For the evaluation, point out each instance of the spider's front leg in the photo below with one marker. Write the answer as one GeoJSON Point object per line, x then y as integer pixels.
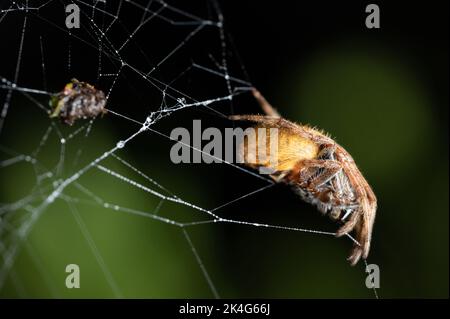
{"type": "Point", "coordinates": [359, 247]}
{"type": "Point", "coordinates": [357, 224]}
{"type": "Point", "coordinates": [327, 151]}
{"type": "Point", "coordinates": [317, 172]}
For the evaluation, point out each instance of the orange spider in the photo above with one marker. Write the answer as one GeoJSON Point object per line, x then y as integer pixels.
{"type": "Point", "coordinates": [321, 171]}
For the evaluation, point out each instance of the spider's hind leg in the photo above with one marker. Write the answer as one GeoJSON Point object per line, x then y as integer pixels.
{"type": "Point", "coordinates": [266, 106]}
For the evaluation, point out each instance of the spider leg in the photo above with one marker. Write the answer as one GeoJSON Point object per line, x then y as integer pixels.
{"type": "Point", "coordinates": [328, 169]}
{"type": "Point", "coordinates": [327, 151]}
{"type": "Point", "coordinates": [349, 224]}
{"type": "Point", "coordinates": [266, 106]}
{"type": "Point", "coordinates": [355, 255]}
{"type": "Point", "coordinates": [270, 121]}
{"type": "Point", "coordinates": [57, 110]}
{"type": "Point", "coordinates": [359, 248]}
{"type": "Point", "coordinates": [267, 120]}
{"type": "Point", "coordinates": [347, 213]}
{"type": "Point", "coordinates": [279, 177]}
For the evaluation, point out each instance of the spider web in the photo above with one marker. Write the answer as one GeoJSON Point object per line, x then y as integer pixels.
{"type": "Point", "coordinates": [153, 60]}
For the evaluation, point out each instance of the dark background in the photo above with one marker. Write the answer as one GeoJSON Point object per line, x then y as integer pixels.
{"type": "Point", "coordinates": [383, 93]}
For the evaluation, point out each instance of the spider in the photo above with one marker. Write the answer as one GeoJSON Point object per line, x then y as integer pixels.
{"type": "Point", "coordinates": [78, 100]}
{"type": "Point", "coordinates": [321, 171]}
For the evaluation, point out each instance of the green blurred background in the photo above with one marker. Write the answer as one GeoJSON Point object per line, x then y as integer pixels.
{"type": "Point", "coordinates": [383, 94]}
